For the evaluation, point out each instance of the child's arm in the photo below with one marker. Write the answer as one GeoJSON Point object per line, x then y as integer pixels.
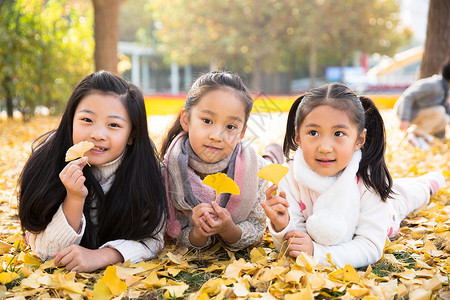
{"type": "Point", "coordinates": [80, 259]}
{"type": "Point", "coordinates": [296, 218]}
{"type": "Point", "coordinates": [57, 235]}
{"type": "Point", "coordinates": [73, 179]}
{"type": "Point", "coordinates": [367, 245]}
{"type": "Point", "coordinates": [276, 208]}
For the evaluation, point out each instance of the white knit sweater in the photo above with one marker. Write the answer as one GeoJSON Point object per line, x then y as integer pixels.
{"type": "Point", "coordinates": [59, 234]}
{"type": "Point", "coordinates": [366, 246]}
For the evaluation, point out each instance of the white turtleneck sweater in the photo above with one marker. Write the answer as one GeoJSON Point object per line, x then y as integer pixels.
{"type": "Point", "coordinates": [59, 234]}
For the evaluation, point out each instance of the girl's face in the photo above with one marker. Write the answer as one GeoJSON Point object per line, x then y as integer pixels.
{"type": "Point", "coordinates": [216, 124]}
{"type": "Point", "coordinates": [104, 121]}
{"type": "Point", "coordinates": [328, 139]}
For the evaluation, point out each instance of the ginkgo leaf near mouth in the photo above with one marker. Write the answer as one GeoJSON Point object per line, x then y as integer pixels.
{"type": "Point", "coordinates": [78, 150]}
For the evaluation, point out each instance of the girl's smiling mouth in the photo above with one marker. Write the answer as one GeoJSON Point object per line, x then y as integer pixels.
{"type": "Point", "coordinates": [325, 162]}
{"type": "Point", "coordinates": [98, 149]}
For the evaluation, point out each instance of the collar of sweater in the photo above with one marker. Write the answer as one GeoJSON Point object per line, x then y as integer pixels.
{"type": "Point", "coordinates": [105, 173]}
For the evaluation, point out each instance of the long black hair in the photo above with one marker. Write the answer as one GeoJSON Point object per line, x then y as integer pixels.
{"type": "Point", "coordinates": [134, 208]}
{"type": "Point", "coordinates": [364, 114]}
{"type": "Point", "coordinates": [215, 80]}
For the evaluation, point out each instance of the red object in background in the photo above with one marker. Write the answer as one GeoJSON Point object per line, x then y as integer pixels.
{"type": "Point", "coordinates": [364, 61]}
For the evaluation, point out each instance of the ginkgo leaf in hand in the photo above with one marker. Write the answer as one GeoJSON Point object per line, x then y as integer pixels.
{"type": "Point", "coordinates": [78, 150]}
{"type": "Point", "coordinates": [273, 172]}
{"type": "Point", "coordinates": [221, 183]}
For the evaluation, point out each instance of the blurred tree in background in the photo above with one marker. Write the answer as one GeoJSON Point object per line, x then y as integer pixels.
{"type": "Point", "coordinates": [106, 32]}
{"type": "Point", "coordinates": [437, 43]}
{"type": "Point", "coordinates": [46, 49]}
{"type": "Point", "coordinates": [268, 35]}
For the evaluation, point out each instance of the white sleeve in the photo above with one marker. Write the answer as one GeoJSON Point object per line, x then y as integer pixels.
{"type": "Point", "coordinates": [137, 251]}
{"type": "Point", "coordinates": [369, 239]}
{"type": "Point", "coordinates": [56, 236]}
{"type": "Point", "coordinates": [296, 218]}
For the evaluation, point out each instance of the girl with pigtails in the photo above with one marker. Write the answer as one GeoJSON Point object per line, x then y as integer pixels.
{"type": "Point", "coordinates": [338, 197]}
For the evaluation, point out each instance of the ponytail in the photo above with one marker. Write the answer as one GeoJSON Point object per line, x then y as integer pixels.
{"type": "Point", "coordinates": [372, 167]}
{"type": "Point", "coordinates": [289, 138]}
{"type": "Point", "coordinates": [174, 130]}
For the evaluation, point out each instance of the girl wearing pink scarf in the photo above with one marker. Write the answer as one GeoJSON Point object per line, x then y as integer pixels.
{"type": "Point", "coordinates": [206, 139]}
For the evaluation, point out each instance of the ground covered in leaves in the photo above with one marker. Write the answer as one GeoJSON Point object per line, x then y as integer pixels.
{"type": "Point", "coordinates": [416, 265]}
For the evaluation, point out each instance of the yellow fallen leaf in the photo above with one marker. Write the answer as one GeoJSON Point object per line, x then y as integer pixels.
{"type": "Point", "coordinates": [420, 294]}
{"type": "Point", "coordinates": [304, 294]}
{"type": "Point", "coordinates": [7, 277]}
{"type": "Point", "coordinates": [176, 290]}
{"type": "Point", "coordinates": [152, 280]}
{"type": "Point", "coordinates": [4, 247]}
{"type": "Point", "coordinates": [31, 260]}
{"type": "Point", "coordinates": [240, 289]}
{"type": "Point", "coordinates": [350, 274]}
{"type": "Point", "coordinates": [306, 261]}
{"type": "Point", "coordinates": [101, 291]}
{"type": "Point", "coordinates": [78, 150]}
{"type": "Point", "coordinates": [115, 284]}
{"type": "Point", "coordinates": [221, 183]}
{"type": "Point", "coordinates": [432, 284]}
{"type": "Point", "coordinates": [273, 172]}
{"type": "Point", "coordinates": [294, 276]}
{"type": "Point", "coordinates": [357, 291]}
{"type": "Point", "coordinates": [258, 256]}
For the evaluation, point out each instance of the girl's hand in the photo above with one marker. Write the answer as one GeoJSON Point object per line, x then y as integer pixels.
{"type": "Point", "coordinates": [73, 179]}
{"type": "Point", "coordinates": [298, 241]}
{"type": "Point", "coordinates": [198, 235]}
{"type": "Point", "coordinates": [198, 216]}
{"type": "Point", "coordinates": [276, 208]}
{"type": "Point", "coordinates": [222, 224]}
{"type": "Point", "coordinates": [80, 259]}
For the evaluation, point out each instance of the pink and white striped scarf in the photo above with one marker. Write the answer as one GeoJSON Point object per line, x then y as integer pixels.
{"type": "Point", "coordinates": [185, 189]}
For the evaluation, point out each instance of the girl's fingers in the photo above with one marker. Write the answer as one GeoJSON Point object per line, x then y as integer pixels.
{"type": "Point", "coordinates": [205, 229]}
{"type": "Point", "coordinates": [277, 202]}
{"type": "Point", "coordinates": [294, 234]}
{"type": "Point", "coordinates": [270, 191]}
{"type": "Point", "coordinates": [294, 253]}
{"type": "Point", "coordinates": [219, 211]}
{"type": "Point", "coordinates": [271, 214]}
{"type": "Point", "coordinates": [210, 221]}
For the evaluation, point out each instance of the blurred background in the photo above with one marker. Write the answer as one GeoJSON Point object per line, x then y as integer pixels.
{"type": "Point", "coordinates": [279, 47]}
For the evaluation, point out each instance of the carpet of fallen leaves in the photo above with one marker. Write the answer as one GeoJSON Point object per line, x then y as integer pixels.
{"type": "Point", "coordinates": [416, 265]}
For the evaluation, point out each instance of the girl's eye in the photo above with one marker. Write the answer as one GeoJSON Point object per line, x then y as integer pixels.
{"type": "Point", "coordinates": [339, 134]}
{"type": "Point", "coordinates": [313, 133]}
{"type": "Point", "coordinates": [207, 121]}
{"type": "Point", "coordinates": [231, 127]}
{"type": "Point", "coordinates": [115, 125]}
{"type": "Point", "coordinates": [86, 120]}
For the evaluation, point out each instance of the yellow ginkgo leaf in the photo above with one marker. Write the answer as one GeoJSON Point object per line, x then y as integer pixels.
{"type": "Point", "coordinates": [221, 183]}
{"type": "Point", "coordinates": [115, 284]}
{"type": "Point", "coordinates": [273, 172]}
{"type": "Point", "coordinates": [7, 277]}
{"type": "Point", "coordinates": [350, 274]}
{"type": "Point", "coordinates": [78, 150]}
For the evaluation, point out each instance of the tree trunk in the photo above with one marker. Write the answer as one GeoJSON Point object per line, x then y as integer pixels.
{"type": "Point", "coordinates": [437, 43]}
{"type": "Point", "coordinates": [106, 33]}
{"type": "Point", "coordinates": [8, 97]}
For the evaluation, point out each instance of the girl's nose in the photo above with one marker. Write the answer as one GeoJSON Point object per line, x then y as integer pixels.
{"type": "Point", "coordinates": [215, 134]}
{"type": "Point", "coordinates": [325, 146]}
{"type": "Point", "coordinates": [98, 133]}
